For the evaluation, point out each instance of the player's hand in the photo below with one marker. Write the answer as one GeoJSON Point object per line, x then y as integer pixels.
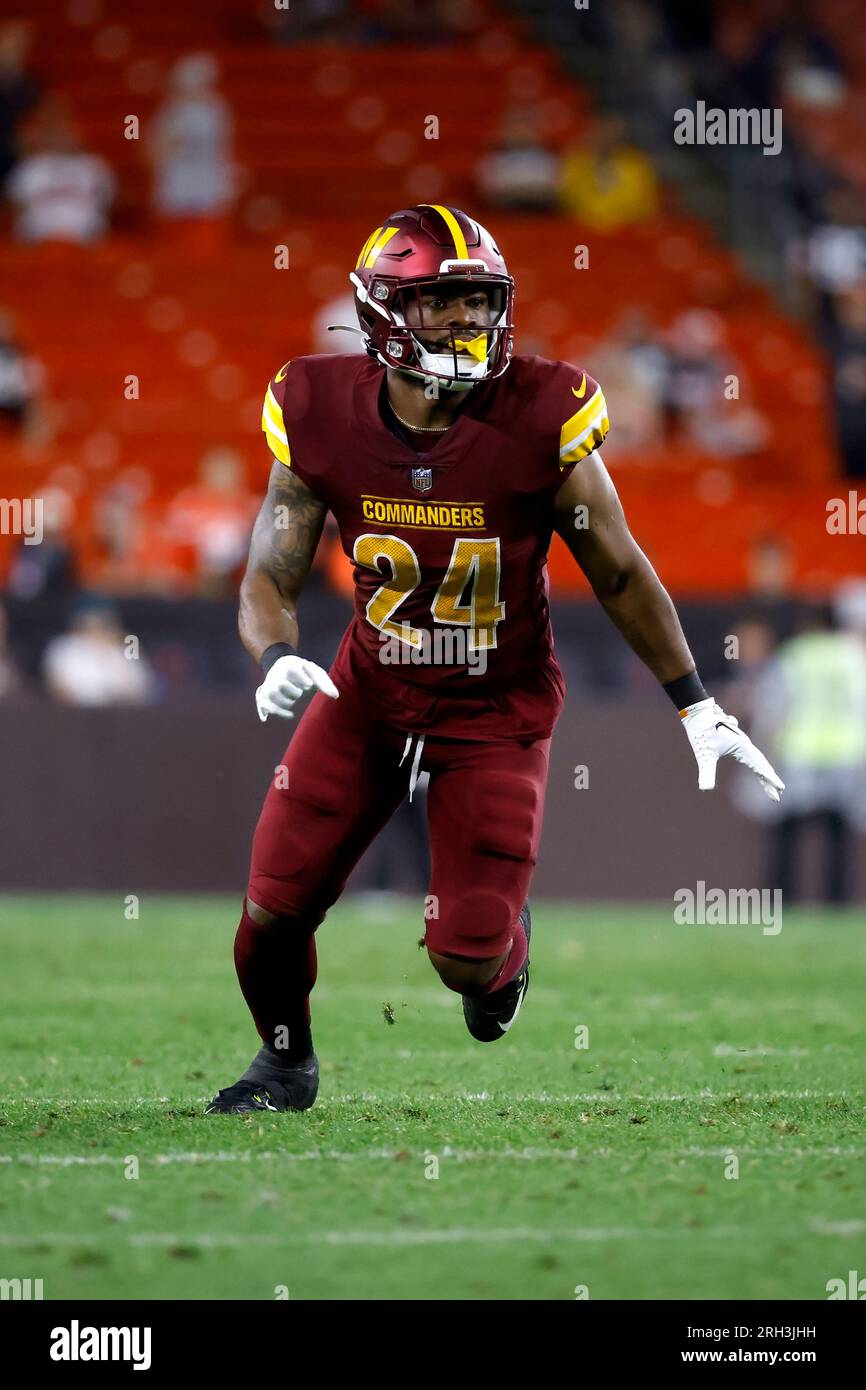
{"type": "Point", "coordinates": [713, 735]}
{"type": "Point", "coordinates": [285, 683]}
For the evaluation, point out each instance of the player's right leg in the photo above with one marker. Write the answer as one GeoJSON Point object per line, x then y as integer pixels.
{"type": "Point", "coordinates": [338, 784]}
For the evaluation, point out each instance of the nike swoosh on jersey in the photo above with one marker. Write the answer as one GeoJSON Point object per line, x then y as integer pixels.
{"type": "Point", "coordinates": [282, 372]}
{"type": "Point", "coordinates": [582, 392]}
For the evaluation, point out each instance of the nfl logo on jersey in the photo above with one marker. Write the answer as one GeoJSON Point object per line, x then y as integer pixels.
{"type": "Point", "coordinates": [422, 479]}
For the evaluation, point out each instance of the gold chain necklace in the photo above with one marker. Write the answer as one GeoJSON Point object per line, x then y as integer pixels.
{"type": "Point", "coordinates": [418, 429]}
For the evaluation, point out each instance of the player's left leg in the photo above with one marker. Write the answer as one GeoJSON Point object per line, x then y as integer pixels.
{"type": "Point", "coordinates": [485, 809]}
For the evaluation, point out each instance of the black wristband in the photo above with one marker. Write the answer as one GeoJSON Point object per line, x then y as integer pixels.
{"type": "Point", "coordinates": [687, 690]}
{"type": "Point", "coordinates": [273, 653]}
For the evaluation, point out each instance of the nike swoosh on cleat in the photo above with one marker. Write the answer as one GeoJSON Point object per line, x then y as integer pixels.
{"type": "Point", "coordinates": [505, 1026]}
{"type": "Point", "coordinates": [582, 392]}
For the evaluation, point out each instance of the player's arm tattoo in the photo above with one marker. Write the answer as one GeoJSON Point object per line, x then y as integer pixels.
{"type": "Point", "coordinates": [282, 548]}
{"type": "Point", "coordinates": [287, 531]}
{"type": "Point", "coordinates": [590, 520]}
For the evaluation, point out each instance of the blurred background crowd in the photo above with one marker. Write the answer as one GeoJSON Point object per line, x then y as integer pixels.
{"type": "Point", "coordinates": [184, 192]}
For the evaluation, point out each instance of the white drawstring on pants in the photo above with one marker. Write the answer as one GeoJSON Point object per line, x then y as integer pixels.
{"type": "Point", "coordinates": [416, 761]}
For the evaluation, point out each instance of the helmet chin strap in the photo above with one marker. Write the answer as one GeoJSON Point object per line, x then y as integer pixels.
{"type": "Point", "coordinates": [438, 369]}
{"type": "Point", "coordinates": [452, 385]}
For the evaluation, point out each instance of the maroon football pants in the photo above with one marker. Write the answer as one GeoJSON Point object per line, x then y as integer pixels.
{"type": "Point", "coordinates": [343, 776]}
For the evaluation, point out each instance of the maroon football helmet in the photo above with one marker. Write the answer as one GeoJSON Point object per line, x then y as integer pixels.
{"type": "Point", "coordinates": [412, 252]}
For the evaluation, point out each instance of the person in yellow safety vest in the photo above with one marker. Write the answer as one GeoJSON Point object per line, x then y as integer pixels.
{"type": "Point", "coordinates": [809, 706]}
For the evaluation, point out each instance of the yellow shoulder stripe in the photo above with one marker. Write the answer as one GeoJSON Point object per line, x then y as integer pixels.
{"type": "Point", "coordinates": [274, 428]}
{"type": "Point", "coordinates": [585, 430]}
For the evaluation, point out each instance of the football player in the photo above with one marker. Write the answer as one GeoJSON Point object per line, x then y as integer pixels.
{"type": "Point", "coordinates": [448, 463]}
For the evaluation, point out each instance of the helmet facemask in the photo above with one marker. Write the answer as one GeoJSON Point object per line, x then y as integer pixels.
{"type": "Point", "coordinates": [392, 315]}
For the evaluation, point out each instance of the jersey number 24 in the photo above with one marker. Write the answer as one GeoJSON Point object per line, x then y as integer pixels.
{"type": "Point", "coordinates": [467, 597]}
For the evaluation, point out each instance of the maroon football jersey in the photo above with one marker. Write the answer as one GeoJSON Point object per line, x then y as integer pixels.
{"type": "Point", "coordinates": [451, 633]}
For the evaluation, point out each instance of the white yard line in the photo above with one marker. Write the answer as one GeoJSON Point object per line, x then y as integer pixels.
{"type": "Point", "coordinates": [499, 1096]}
{"type": "Point", "coordinates": [457, 1235]}
{"type": "Point", "coordinates": [818, 1226]}
{"type": "Point", "coordinates": [729, 1050]}
{"type": "Point", "coordinates": [530, 1154]}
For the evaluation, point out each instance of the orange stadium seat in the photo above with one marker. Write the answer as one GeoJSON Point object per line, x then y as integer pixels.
{"type": "Point", "coordinates": [328, 139]}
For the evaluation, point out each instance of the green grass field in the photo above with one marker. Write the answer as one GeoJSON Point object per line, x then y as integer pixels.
{"type": "Point", "coordinates": [558, 1167]}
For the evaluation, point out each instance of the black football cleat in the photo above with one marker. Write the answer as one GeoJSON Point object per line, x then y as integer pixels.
{"type": "Point", "coordinates": [490, 1016]}
{"type": "Point", "coordinates": [267, 1085]}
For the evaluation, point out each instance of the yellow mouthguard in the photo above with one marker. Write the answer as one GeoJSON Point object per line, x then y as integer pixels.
{"type": "Point", "coordinates": [476, 346]}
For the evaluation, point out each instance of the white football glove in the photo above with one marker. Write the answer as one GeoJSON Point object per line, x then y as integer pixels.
{"type": "Point", "coordinates": [713, 735]}
{"type": "Point", "coordinates": [286, 681]}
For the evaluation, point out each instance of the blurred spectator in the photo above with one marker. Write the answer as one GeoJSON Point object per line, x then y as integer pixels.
{"type": "Point", "coordinates": [93, 663]}
{"type": "Point", "coordinates": [756, 642]}
{"type": "Point", "coordinates": [809, 714]}
{"type": "Point", "coordinates": [60, 192]}
{"type": "Point", "coordinates": [520, 173]}
{"type": "Point", "coordinates": [705, 387]}
{"type": "Point", "coordinates": [831, 261]}
{"type": "Point", "coordinates": [794, 59]}
{"type": "Point", "coordinates": [136, 554]}
{"type": "Point", "coordinates": [849, 612]}
{"type": "Point", "coordinates": [19, 377]}
{"type": "Point", "coordinates": [644, 350]}
{"type": "Point", "coordinates": [215, 518]}
{"type": "Point", "coordinates": [849, 607]}
{"type": "Point", "coordinates": [10, 679]}
{"type": "Point", "coordinates": [40, 570]}
{"type": "Point", "coordinates": [847, 344]}
{"type": "Point", "coordinates": [608, 182]}
{"type": "Point", "coordinates": [770, 567]}
{"type": "Point", "coordinates": [191, 149]}
{"type": "Point", "coordinates": [632, 362]}
{"type": "Point", "coordinates": [19, 92]}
